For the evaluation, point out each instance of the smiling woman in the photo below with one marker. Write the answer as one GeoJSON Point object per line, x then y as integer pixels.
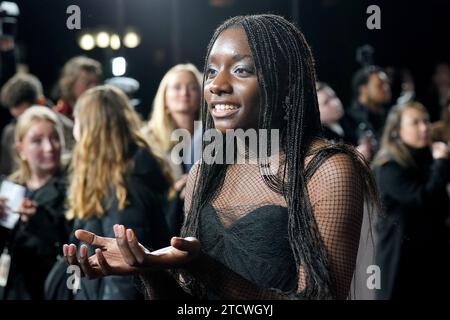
{"type": "Point", "coordinates": [250, 234]}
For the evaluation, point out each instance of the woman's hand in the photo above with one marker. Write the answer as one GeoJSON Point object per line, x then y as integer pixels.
{"type": "Point", "coordinates": [3, 207]}
{"type": "Point", "coordinates": [27, 209]}
{"type": "Point", "coordinates": [180, 185]}
{"type": "Point", "coordinates": [440, 150]}
{"type": "Point", "coordinates": [125, 255]}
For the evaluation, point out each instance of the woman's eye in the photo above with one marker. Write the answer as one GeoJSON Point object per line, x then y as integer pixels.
{"type": "Point", "coordinates": [243, 71]}
{"type": "Point", "coordinates": [210, 72]}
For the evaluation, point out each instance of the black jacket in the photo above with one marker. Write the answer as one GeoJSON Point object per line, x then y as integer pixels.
{"type": "Point", "coordinates": [146, 189]}
{"type": "Point", "coordinates": [411, 248]}
{"type": "Point", "coordinates": [34, 245]}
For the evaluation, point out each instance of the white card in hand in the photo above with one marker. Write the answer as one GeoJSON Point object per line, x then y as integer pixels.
{"type": "Point", "coordinates": [14, 193]}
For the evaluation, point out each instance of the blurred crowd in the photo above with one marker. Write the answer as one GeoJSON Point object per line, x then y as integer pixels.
{"type": "Point", "coordinates": [88, 160]}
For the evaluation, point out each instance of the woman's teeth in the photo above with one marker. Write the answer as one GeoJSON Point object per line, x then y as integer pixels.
{"type": "Point", "coordinates": [223, 107]}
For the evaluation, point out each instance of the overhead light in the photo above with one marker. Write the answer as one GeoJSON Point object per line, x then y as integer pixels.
{"type": "Point", "coordinates": [87, 42]}
{"type": "Point", "coordinates": [102, 39]}
{"type": "Point", "coordinates": [115, 42]}
{"type": "Point", "coordinates": [119, 66]}
{"type": "Point", "coordinates": [221, 3]}
{"type": "Point", "coordinates": [131, 39]}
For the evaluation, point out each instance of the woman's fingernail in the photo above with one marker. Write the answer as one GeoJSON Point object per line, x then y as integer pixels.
{"type": "Point", "coordinates": [121, 231]}
{"type": "Point", "coordinates": [82, 252]}
{"type": "Point", "coordinates": [130, 235]}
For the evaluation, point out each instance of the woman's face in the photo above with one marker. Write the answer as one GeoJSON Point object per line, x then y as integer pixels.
{"type": "Point", "coordinates": [41, 147]}
{"type": "Point", "coordinates": [415, 128]}
{"type": "Point", "coordinates": [330, 106]}
{"type": "Point", "coordinates": [231, 88]}
{"type": "Point", "coordinates": [182, 93]}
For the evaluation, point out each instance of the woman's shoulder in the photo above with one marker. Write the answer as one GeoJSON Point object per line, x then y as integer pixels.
{"type": "Point", "coordinates": [143, 161]}
{"type": "Point", "coordinates": [146, 170]}
{"type": "Point", "coordinates": [325, 154]}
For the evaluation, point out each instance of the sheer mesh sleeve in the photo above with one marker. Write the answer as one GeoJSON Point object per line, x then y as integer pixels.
{"type": "Point", "coordinates": [337, 200]}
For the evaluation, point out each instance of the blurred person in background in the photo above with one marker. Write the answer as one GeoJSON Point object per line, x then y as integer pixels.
{"type": "Point", "coordinates": [337, 126]}
{"type": "Point", "coordinates": [439, 90]}
{"type": "Point", "coordinates": [115, 178]}
{"type": "Point", "coordinates": [42, 228]}
{"type": "Point", "coordinates": [372, 94]}
{"type": "Point", "coordinates": [78, 75]}
{"type": "Point", "coordinates": [441, 128]}
{"type": "Point", "coordinates": [176, 106]}
{"type": "Point", "coordinates": [17, 95]}
{"type": "Point", "coordinates": [411, 174]}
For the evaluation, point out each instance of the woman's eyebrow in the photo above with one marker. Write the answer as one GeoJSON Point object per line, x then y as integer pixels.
{"type": "Point", "coordinates": [236, 57]}
{"type": "Point", "coordinates": [239, 57]}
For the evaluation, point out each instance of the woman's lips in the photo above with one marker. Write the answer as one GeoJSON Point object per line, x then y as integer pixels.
{"type": "Point", "coordinates": [224, 110]}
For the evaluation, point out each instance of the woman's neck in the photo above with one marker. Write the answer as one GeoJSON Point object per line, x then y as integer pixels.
{"type": "Point", "coordinates": [38, 179]}
{"type": "Point", "coordinates": [184, 121]}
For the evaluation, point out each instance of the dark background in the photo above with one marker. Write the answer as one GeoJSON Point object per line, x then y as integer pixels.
{"type": "Point", "coordinates": [413, 35]}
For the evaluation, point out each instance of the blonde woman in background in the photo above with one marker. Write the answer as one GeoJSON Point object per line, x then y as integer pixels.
{"type": "Point", "coordinates": [42, 227]}
{"type": "Point", "coordinates": [115, 178]}
{"type": "Point", "coordinates": [176, 106]}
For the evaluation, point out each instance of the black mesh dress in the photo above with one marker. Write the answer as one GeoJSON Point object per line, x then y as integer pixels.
{"type": "Point", "coordinates": [244, 229]}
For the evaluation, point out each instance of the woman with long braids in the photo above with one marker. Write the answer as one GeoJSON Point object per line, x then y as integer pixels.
{"type": "Point", "coordinates": [250, 234]}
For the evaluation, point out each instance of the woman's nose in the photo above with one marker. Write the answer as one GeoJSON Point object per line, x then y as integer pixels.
{"type": "Point", "coordinates": [48, 145]}
{"type": "Point", "coordinates": [221, 84]}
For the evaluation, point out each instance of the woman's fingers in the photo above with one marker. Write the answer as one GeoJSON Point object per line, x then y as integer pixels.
{"type": "Point", "coordinates": [104, 265]}
{"type": "Point", "coordinates": [84, 263]}
{"type": "Point", "coordinates": [189, 244]}
{"type": "Point", "coordinates": [135, 248]}
{"type": "Point", "coordinates": [122, 243]}
{"type": "Point", "coordinates": [66, 253]}
{"type": "Point", "coordinates": [72, 254]}
{"type": "Point", "coordinates": [91, 238]}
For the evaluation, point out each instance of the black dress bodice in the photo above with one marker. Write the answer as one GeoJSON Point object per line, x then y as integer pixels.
{"type": "Point", "coordinates": [256, 246]}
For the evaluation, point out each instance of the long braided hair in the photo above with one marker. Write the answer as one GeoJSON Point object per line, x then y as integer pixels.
{"type": "Point", "coordinates": [286, 77]}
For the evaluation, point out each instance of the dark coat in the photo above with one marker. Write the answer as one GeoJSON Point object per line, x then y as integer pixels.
{"type": "Point", "coordinates": [411, 248]}
{"type": "Point", "coordinates": [34, 245]}
{"type": "Point", "coordinates": [146, 189]}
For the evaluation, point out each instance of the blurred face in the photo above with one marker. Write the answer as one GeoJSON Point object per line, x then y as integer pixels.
{"type": "Point", "coordinates": [441, 75]}
{"type": "Point", "coordinates": [231, 88]}
{"type": "Point", "coordinates": [85, 81]}
{"type": "Point", "coordinates": [41, 147]}
{"type": "Point", "coordinates": [330, 106]}
{"type": "Point", "coordinates": [378, 88]}
{"type": "Point", "coordinates": [182, 93]}
{"type": "Point", "coordinates": [415, 128]}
